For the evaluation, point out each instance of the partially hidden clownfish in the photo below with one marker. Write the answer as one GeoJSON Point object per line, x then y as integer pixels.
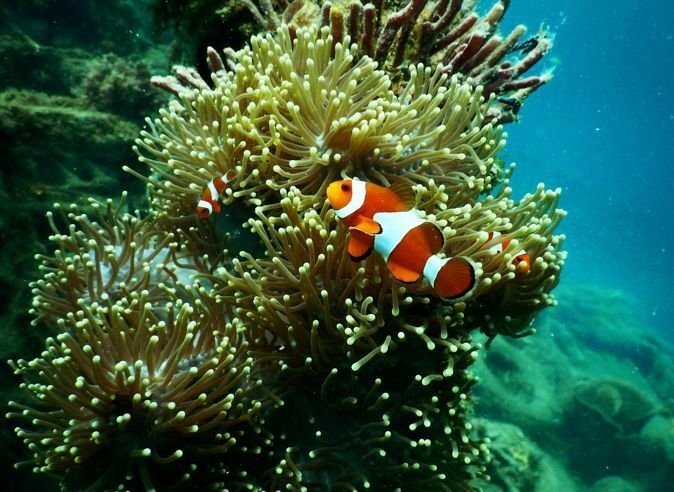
{"type": "Point", "coordinates": [521, 260]}
{"type": "Point", "coordinates": [383, 220]}
{"type": "Point", "coordinates": [210, 197]}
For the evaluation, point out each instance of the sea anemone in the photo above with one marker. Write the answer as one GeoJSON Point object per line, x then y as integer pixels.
{"type": "Point", "coordinates": [122, 398]}
{"type": "Point", "coordinates": [449, 33]}
{"type": "Point", "coordinates": [344, 340]}
{"type": "Point", "coordinates": [292, 366]}
{"type": "Point", "coordinates": [508, 295]}
{"type": "Point", "coordinates": [109, 258]}
{"type": "Point", "coordinates": [298, 112]}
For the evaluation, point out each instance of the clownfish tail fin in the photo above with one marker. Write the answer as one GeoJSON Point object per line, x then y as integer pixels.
{"type": "Point", "coordinates": [452, 278]}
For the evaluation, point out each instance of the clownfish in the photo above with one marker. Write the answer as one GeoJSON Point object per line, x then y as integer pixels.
{"type": "Point", "coordinates": [210, 197]}
{"type": "Point", "coordinates": [522, 261]}
{"type": "Point", "coordinates": [383, 220]}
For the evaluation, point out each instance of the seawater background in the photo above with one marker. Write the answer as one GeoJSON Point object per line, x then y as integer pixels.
{"type": "Point", "coordinates": [603, 131]}
{"type": "Point", "coordinates": [590, 396]}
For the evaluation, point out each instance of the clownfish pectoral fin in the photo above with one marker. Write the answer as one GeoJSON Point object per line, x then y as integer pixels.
{"type": "Point", "coordinates": [366, 226]}
{"type": "Point", "coordinates": [452, 278]}
{"type": "Point", "coordinates": [401, 272]}
{"type": "Point", "coordinates": [360, 244]}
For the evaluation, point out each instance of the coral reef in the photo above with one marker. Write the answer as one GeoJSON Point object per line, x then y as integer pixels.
{"type": "Point", "coordinates": [292, 366]}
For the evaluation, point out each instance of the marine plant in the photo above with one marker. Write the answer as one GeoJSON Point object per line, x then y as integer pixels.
{"type": "Point", "coordinates": [289, 365]}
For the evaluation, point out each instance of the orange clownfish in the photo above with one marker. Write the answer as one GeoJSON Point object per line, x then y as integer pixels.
{"type": "Point", "coordinates": [522, 261]}
{"type": "Point", "coordinates": [383, 220]}
{"type": "Point", "coordinates": [209, 202]}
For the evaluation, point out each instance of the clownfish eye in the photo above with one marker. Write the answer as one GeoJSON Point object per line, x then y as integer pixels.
{"type": "Point", "coordinates": [346, 187]}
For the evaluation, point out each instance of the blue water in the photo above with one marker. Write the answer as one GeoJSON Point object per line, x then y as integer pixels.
{"type": "Point", "coordinates": [603, 131]}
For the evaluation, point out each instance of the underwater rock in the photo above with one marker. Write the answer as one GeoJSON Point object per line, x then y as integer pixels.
{"type": "Point", "coordinates": [44, 68]}
{"type": "Point", "coordinates": [119, 25]}
{"type": "Point", "coordinates": [517, 463]}
{"type": "Point", "coordinates": [119, 85]}
{"type": "Point", "coordinates": [618, 403]}
{"type": "Point", "coordinates": [60, 165]}
{"type": "Point", "coordinates": [658, 435]}
{"type": "Point", "coordinates": [614, 484]}
{"type": "Point", "coordinates": [593, 388]}
{"type": "Point", "coordinates": [518, 387]}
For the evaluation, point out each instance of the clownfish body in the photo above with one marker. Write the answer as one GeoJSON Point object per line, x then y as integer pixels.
{"type": "Point", "coordinates": [210, 197]}
{"type": "Point", "coordinates": [521, 260]}
{"type": "Point", "coordinates": [382, 220]}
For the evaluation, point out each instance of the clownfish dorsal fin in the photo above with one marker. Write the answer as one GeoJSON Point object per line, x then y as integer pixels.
{"type": "Point", "coordinates": [405, 194]}
{"type": "Point", "coordinates": [360, 245]}
{"type": "Point", "coordinates": [366, 226]}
